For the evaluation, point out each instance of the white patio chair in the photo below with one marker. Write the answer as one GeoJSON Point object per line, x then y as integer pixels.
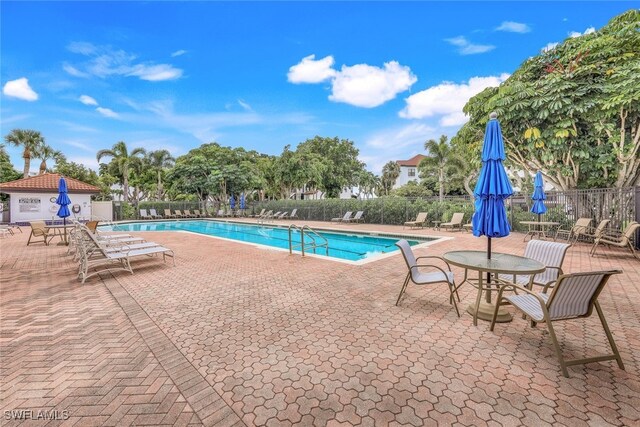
{"type": "Point", "coordinates": [574, 296]}
{"type": "Point", "coordinates": [551, 254]}
{"type": "Point", "coordinates": [437, 275]}
{"type": "Point", "coordinates": [419, 221]}
{"type": "Point", "coordinates": [345, 218]}
{"type": "Point", "coordinates": [455, 223]}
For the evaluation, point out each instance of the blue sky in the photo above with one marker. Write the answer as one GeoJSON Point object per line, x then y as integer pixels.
{"type": "Point", "coordinates": [262, 75]}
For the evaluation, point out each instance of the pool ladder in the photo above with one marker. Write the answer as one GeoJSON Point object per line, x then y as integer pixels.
{"type": "Point", "coordinates": [316, 240]}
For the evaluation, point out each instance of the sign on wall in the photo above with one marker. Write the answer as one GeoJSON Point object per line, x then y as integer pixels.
{"type": "Point", "coordinates": [29, 204]}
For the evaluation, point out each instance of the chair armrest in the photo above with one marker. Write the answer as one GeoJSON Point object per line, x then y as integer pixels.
{"type": "Point", "coordinates": [433, 266]}
{"type": "Point", "coordinates": [517, 288]}
{"type": "Point", "coordinates": [436, 257]}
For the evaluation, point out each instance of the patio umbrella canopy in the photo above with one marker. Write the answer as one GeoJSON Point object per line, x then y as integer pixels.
{"type": "Point", "coordinates": [493, 187]}
{"type": "Point", "coordinates": [64, 202]}
{"type": "Point", "coordinates": [538, 196]}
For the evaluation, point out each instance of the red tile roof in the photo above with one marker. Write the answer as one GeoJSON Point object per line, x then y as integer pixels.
{"type": "Point", "coordinates": [414, 161]}
{"type": "Point", "coordinates": [47, 183]}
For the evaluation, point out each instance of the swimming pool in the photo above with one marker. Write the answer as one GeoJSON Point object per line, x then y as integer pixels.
{"type": "Point", "coordinates": [344, 246]}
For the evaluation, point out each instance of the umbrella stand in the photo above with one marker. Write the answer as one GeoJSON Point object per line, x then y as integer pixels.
{"type": "Point", "coordinates": [488, 293]}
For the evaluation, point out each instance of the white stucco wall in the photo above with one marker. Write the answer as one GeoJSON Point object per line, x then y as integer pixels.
{"type": "Point", "coordinates": [34, 206]}
{"type": "Point", "coordinates": [404, 177]}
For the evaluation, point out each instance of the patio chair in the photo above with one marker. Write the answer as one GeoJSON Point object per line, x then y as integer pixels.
{"type": "Point", "coordinates": [154, 214]}
{"type": "Point", "coordinates": [345, 218]}
{"type": "Point", "coordinates": [168, 214]}
{"type": "Point", "coordinates": [283, 215]}
{"type": "Point", "coordinates": [437, 275]}
{"type": "Point", "coordinates": [179, 214]}
{"type": "Point", "coordinates": [551, 254]}
{"type": "Point", "coordinates": [623, 240]}
{"type": "Point", "coordinates": [356, 218]}
{"type": "Point", "coordinates": [574, 296]}
{"type": "Point", "coordinates": [188, 214]}
{"type": "Point", "coordinates": [197, 214]}
{"type": "Point", "coordinates": [294, 214]}
{"type": "Point", "coordinates": [419, 222]}
{"type": "Point", "coordinates": [594, 233]}
{"type": "Point", "coordinates": [144, 214]}
{"type": "Point", "coordinates": [455, 223]}
{"type": "Point", "coordinates": [579, 229]}
{"type": "Point", "coordinates": [263, 217]}
{"type": "Point", "coordinates": [39, 229]}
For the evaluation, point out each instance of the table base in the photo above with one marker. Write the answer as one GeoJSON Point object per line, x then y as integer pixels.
{"type": "Point", "coordinates": [485, 312]}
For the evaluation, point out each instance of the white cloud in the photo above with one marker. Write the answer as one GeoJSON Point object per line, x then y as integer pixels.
{"type": "Point", "coordinates": [20, 89]}
{"type": "Point", "coordinates": [311, 71]}
{"type": "Point", "coordinates": [447, 99]}
{"type": "Point", "coordinates": [574, 34]}
{"type": "Point", "coordinates": [87, 100]}
{"type": "Point", "coordinates": [550, 46]}
{"type": "Point", "coordinates": [74, 71]}
{"type": "Point", "coordinates": [245, 105]}
{"type": "Point", "coordinates": [107, 112]}
{"type": "Point", "coordinates": [514, 27]}
{"type": "Point", "coordinates": [84, 146]}
{"type": "Point", "coordinates": [397, 143]}
{"type": "Point", "coordinates": [105, 61]}
{"type": "Point", "coordinates": [361, 85]}
{"type": "Point", "coordinates": [367, 86]}
{"type": "Point", "coordinates": [465, 47]}
{"type": "Point", "coordinates": [178, 53]}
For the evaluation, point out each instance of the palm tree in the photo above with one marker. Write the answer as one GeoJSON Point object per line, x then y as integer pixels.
{"type": "Point", "coordinates": [30, 140]}
{"type": "Point", "coordinates": [122, 158]}
{"type": "Point", "coordinates": [159, 161]}
{"type": "Point", "coordinates": [390, 173]}
{"type": "Point", "coordinates": [441, 161]}
{"type": "Point", "coordinates": [46, 152]}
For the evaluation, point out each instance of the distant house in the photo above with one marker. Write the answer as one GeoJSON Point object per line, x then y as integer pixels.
{"type": "Point", "coordinates": [408, 170]}
{"type": "Point", "coordinates": [34, 198]}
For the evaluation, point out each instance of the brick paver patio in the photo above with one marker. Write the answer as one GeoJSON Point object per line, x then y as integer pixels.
{"type": "Point", "coordinates": [238, 335]}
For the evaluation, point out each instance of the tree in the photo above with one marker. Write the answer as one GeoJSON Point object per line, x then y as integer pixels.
{"type": "Point", "coordinates": [441, 162]}
{"type": "Point", "coordinates": [160, 160]}
{"type": "Point", "coordinates": [45, 152]}
{"type": "Point", "coordinates": [121, 159]}
{"type": "Point", "coordinates": [7, 171]}
{"type": "Point", "coordinates": [390, 173]}
{"type": "Point", "coordinates": [572, 112]}
{"type": "Point", "coordinates": [412, 189]}
{"type": "Point", "coordinates": [339, 163]}
{"type": "Point", "coordinates": [29, 140]}
{"type": "Point", "coordinates": [368, 182]}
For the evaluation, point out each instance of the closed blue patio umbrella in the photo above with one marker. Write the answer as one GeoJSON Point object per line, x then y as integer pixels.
{"type": "Point", "coordinates": [493, 187]}
{"type": "Point", "coordinates": [64, 202]}
{"type": "Point", "coordinates": [232, 202]}
{"type": "Point", "coordinates": [538, 196]}
{"type": "Point", "coordinates": [242, 202]}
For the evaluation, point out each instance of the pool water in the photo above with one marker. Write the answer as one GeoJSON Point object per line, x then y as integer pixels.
{"type": "Point", "coordinates": [346, 246]}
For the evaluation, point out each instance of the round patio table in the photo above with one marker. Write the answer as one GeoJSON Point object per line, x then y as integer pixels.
{"type": "Point", "coordinates": [498, 264]}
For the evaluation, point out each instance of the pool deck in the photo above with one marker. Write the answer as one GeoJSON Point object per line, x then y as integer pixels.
{"type": "Point", "coordinates": [239, 335]}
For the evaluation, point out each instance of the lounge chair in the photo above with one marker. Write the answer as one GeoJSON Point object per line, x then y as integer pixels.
{"type": "Point", "coordinates": [551, 254]}
{"type": "Point", "coordinates": [144, 214]}
{"type": "Point", "coordinates": [455, 223]}
{"type": "Point", "coordinates": [623, 240]}
{"type": "Point", "coordinates": [294, 214]}
{"type": "Point", "coordinates": [345, 218]}
{"type": "Point", "coordinates": [258, 215]}
{"type": "Point", "coordinates": [419, 222]}
{"type": "Point", "coordinates": [40, 229]}
{"type": "Point", "coordinates": [197, 214]}
{"type": "Point", "coordinates": [599, 231]}
{"type": "Point", "coordinates": [574, 296]}
{"type": "Point", "coordinates": [358, 217]}
{"type": "Point", "coordinates": [283, 215]}
{"type": "Point", "coordinates": [179, 214]}
{"type": "Point", "coordinates": [94, 256]}
{"type": "Point", "coordinates": [188, 214]}
{"type": "Point", "coordinates": [154, 214]}
{"type": "Point", "coordinates": [168, 214]}
{"type": "Point", "coordinates": [436, 275]}
{"type": "Point", "coordinates": [10, 228]}
{"type": "Point", "coordinates": [579, 229]}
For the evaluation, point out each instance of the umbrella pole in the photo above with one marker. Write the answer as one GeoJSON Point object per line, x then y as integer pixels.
{"type": "Point", "coordinates": [489, 274]}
